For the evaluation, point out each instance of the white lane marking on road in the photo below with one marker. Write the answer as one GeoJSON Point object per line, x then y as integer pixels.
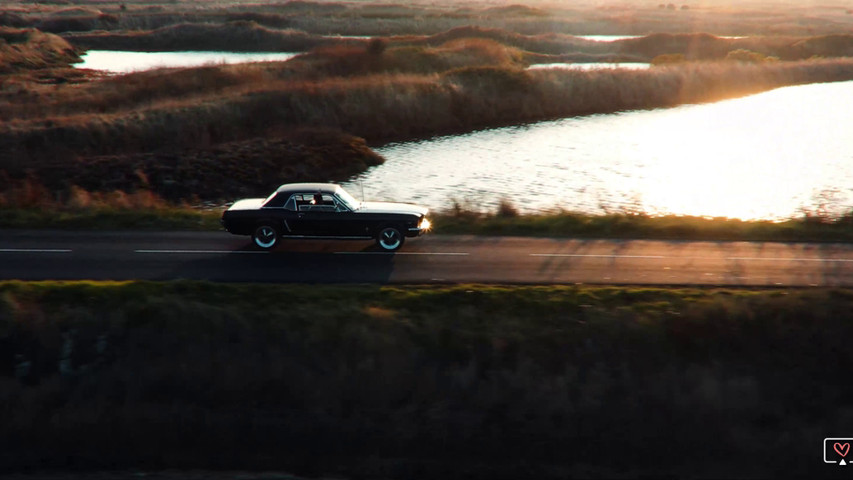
{"type": "Point", "coordinates": [749, 259]}
{"type": "Point", "coordinates": [454, 254]}
{"type": "Point", "coordinates": [199, 251]}
{"type": "Point", "coordinates": [589, 255]}
{"type": "Point", "coordinates": [35, 250]}
{"type": "Point", "coordinates": [782, 259]}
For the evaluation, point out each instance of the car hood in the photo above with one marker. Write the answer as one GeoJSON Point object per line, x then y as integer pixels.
{"type": "Point", "coordinates": [248, 204]}
{"type": "Point", "coordinates": [387, 207]}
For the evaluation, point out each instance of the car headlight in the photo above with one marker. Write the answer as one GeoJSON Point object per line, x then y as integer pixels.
{"type": "Point", "coordinates": [425, 224]}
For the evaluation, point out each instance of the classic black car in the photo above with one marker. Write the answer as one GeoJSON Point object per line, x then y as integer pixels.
{"type": "Point", "coordinates": [321, 210]}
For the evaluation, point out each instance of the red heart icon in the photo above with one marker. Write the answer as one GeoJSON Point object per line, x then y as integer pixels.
{"type": "Point", "coordinates": [841, 448]}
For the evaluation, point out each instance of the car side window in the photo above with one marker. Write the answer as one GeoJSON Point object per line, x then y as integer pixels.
{"type": "Point", "coordinates": [328, 203]}
{"type": "Point", "coordinates": [276, 201]}
{"type": "Point", "coordinates": [316, 202]}
{"type": "Point", "coordinates": [291, 204]}
{"type": "Point", "coordinates": [339, 205]}
{"type": "Point", "coordinates": [303, 201]}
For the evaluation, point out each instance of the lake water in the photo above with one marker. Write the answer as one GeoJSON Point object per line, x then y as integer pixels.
{"type": "Point", "coordinates": [613, 38]}
{"type": "Point", "coordinates": [767, 156]}
{"type": "Point", "coordinates": [607, 38]}
{"type": "Point", "coordinates": [125, 62]}
{"type": "Point", "coordinates": [117, 62]}
{"type": "Point", "coordinates": [592, 66]}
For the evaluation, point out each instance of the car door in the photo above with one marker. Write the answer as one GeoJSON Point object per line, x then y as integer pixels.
{"type": "Point", "coordinates": [288, 211]}
{"type": "Point", "coordinates": [327, 216]}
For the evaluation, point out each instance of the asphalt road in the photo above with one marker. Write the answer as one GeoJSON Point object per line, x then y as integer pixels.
{"type": "Point", "coordinates": [219, 256]}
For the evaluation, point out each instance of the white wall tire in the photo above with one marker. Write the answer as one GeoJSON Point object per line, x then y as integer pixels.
{"type": "Point", "coordinates": [265, 237]}
{"type": "Point", "coordinates": [390, 239]}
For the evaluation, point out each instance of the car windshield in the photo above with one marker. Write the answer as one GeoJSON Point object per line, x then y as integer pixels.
{"type": "Point", "coordinates": [272, 195]}
{"type": "Point", "coordinates": [348, 199]}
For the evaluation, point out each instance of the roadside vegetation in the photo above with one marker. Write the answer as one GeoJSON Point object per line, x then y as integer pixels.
{"type": "Point", "coordinates": [809, 227]}
{"type": "Point", "coordinates": [422, 382]}
{"type": "Point", "coordinates": [30, 206]}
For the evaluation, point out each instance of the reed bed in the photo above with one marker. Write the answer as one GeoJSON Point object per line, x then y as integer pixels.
{"type": "Point", "coordinates": [27, 49]}
{"type": "Point", "coordinates": [238, 35]}
{"type": "Point", "coordinates": [381, 106]}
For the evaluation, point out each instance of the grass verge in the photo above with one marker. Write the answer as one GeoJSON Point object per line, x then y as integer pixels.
{"type": "Point", "coordinates": [808, 228]}
{"type": "Point", "coordinates": [111, 218]}
{"type": "Point", "coordinates": [108, 215]}
{"type": "Point", "coordinates": [422, 382]}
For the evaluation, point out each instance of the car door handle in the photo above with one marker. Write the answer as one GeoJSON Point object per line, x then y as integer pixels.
{"type": "Point", "coordinates": [301, 215]}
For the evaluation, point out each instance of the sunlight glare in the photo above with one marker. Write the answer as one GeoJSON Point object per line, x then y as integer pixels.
{"type": "Point", "coordinates": [715, 162]}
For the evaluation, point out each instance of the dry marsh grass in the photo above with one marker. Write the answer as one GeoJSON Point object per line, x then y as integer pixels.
{"type": "Point", "coordinates": [377, 58]}
{"type": "Point", "coordinates": [28, 49]}
{"type": "Point", "coordinates": [29, 204]}
{"type": "Point", "coordinates": [218, 172]}
{"type": "Point", "coordinates": [426, 18]}
{"type": "Point", "coordinates": [421, 382]}
{"type": "Point", "coordinates": [381, 105]}
{"type": "Point", "coordinates": [505, 220]}
{"type": "Point", "coordinates": [240, 35]}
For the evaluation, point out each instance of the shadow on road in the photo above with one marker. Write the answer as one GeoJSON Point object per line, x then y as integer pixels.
{"type": "Point", "coordinates": [296, 261]}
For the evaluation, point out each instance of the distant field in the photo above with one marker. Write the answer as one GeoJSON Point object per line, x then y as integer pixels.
{"type": "Point", "coordinates": [422, 382]}
{"type": "Point", "coordinates": [396, 18]}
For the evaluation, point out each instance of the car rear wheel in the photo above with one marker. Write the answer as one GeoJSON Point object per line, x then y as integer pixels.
{"type": "Point", "coordinates": [265, 237]}
{"type": "Point", "coordinates": [390, 239]}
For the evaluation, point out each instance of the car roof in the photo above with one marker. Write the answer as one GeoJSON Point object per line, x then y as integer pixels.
{"type": "Point", "coordinates": [309, 187]}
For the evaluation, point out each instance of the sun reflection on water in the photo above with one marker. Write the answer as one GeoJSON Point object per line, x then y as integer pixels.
{"type": "Point", "coordinates": [751, 158]}
{"type": "Point", "coordinates": [767, 156]}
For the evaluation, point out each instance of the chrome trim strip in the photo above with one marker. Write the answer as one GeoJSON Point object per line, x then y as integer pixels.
{"type": "Point", "coordinates": [320, 237]}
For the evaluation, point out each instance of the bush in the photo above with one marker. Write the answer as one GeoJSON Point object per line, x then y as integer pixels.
{"type": "Point", "coordinates": [506, 209]}
{"type": "Point", "coordinates": [669, 59]}
{"type": "Point", "coordinates": [747, 56]}
{"type": "Point", "coordinates": [376, 46]}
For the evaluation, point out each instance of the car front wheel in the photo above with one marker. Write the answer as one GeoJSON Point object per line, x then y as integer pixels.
{"type": "Point", "coordinates": [390, 239]}
{"type": "Point", "coordinates": [265, 237]}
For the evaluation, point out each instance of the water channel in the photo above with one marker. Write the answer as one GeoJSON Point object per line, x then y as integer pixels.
{"type": "Point", "coordinates": [766, 156]}
{"type": "Point", "coordinates": [125, 62]}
